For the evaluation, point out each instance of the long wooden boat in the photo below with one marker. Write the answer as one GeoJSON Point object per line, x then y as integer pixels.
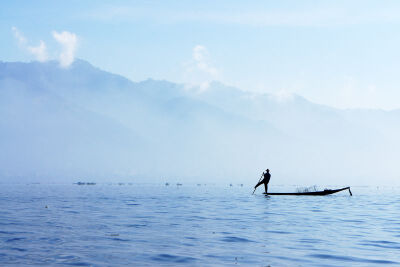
{"type": "Point", "coordinates": [316, 193]}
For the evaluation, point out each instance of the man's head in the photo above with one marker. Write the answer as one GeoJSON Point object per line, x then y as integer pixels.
{"type": "Point", "coordinates": [267, 170]}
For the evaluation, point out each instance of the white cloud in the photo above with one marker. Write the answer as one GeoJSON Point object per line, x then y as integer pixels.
{"type": "Point", "coordinates": [201, 57]}
{"type": "Point", "coordinates": [68, 41]}
{"type": "Point", "coordinates": [19, 36]}
{"type": "Point", "coordinates": [204, 86]}
{"type": "Point", "coordinates": [199, 72]}
{"type": "Point", "coordinates": [40, 51]}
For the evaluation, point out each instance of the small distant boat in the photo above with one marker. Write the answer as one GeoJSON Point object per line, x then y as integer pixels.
{"type": "Point", "coordinates": [316, 193]}
{"type": "Point", "coordinates": [82, 183]}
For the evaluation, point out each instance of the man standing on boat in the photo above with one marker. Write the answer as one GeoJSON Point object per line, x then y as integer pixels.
{"type": "Point", "coordinates": [265, 181]}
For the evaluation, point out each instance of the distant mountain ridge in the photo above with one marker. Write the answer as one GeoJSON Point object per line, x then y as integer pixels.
{"type": "Point", "coordinates": [81, 121]}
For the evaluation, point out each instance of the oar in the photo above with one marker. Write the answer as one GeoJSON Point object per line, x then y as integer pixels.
{"type": "Point", "coordinates": [257, 183]}
{"type": "Point", "coordinates": [350, 192]}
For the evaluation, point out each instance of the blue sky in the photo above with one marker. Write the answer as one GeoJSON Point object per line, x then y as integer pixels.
{"type": "Point", "coordinates": [339, 53]}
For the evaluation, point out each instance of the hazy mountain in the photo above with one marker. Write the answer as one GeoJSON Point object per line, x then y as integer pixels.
{"type": "Point", "coordinates": [84, 123]}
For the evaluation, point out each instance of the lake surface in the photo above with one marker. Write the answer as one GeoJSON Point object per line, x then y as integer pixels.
{"type": "Point", "coordinates": [147, 225]}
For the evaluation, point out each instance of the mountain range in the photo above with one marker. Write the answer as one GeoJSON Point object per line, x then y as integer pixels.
{"type": "Point", "coordinates": [83, 123]}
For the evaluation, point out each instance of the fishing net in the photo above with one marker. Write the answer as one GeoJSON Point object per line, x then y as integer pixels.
{"type": "Point", "coordinates": [313, 188]}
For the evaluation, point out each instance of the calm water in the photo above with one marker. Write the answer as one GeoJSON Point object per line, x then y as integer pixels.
{"type": "Point", "coordinates": [196, 225]}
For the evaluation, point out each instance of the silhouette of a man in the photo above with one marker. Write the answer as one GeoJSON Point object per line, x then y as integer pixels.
{"type": "Point", "coordinates": [265, 181]}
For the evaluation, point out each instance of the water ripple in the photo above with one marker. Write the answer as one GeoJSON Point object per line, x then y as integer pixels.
{"type": "Point", "coordinates": [235, 239]}
{"type": "Point", "coordinates": [351, 259]}
{"type": "Point", "coordinates": [173, 258]}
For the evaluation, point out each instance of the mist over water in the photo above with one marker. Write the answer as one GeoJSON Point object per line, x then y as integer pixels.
{"type": "Point", "coordinates": [154, 224]}
{"type": "Point", "coordinates": [60, 124]}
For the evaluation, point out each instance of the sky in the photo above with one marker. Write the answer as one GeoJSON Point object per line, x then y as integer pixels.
{"type": "Point", "coordinates": [344, 54]}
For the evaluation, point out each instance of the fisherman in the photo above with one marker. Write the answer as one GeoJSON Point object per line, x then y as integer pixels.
{"type": "Point", "coordinates": [265, 181]}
